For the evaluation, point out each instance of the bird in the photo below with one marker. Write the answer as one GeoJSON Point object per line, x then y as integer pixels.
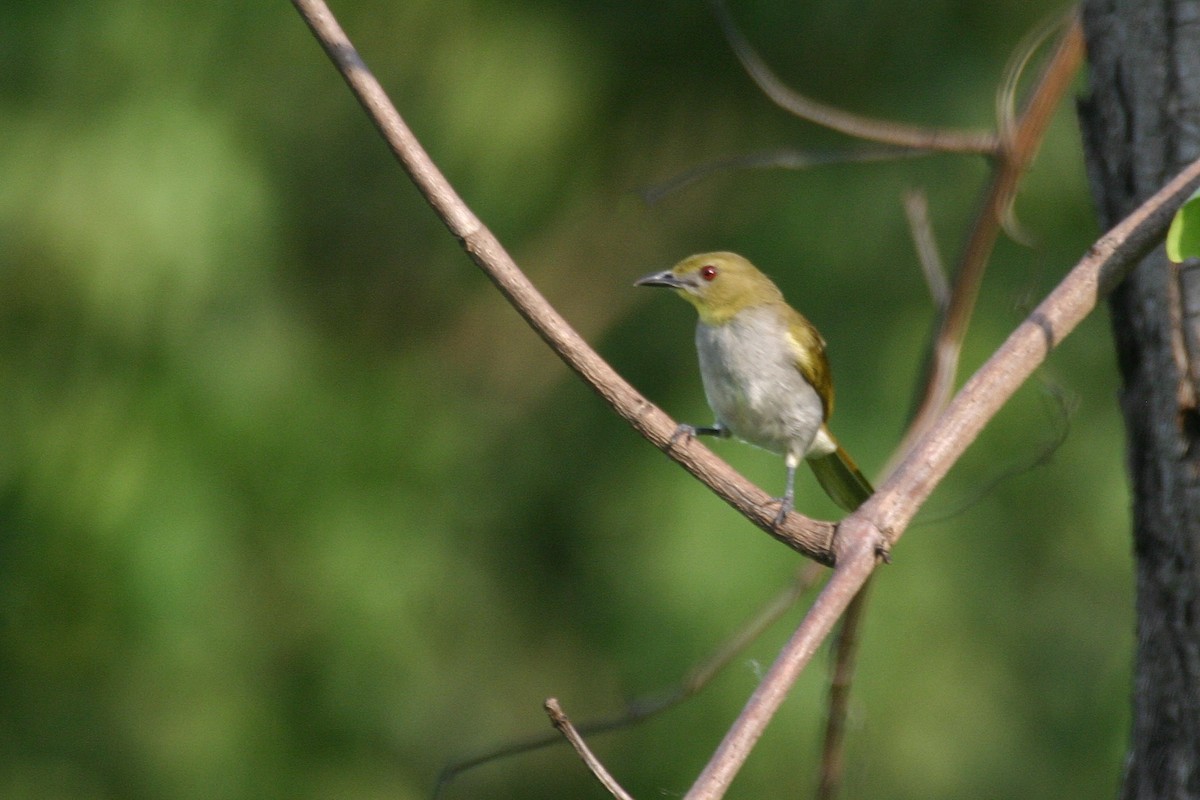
{"type": "Point", "coordinates": [765, 373]}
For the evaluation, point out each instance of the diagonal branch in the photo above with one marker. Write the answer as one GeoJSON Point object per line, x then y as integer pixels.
{"type": "Point", "coordinates": [563, 724]}
{"type": "Point", "coordinates": [809, 537]}
{"type": "Point", "coordinates": [1020, 137]}
{"type": "Point", "coordinates": [881, 521]}
{"type": "Point", "coordinates": [1105, 265]}
{"type": "Point", "coordinates": [856, 561]}
{"type": "Point", "coordinates": [1021, 144]}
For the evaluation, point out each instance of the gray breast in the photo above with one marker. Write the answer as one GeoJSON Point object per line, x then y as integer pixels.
{"type": "Point", "coordinates": [752, 383]}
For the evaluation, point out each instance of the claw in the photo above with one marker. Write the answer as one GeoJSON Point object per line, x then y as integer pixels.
{"type": "Point", "coordinates": [689, 432]}
{"type": "Point", "coordinates": [685, 432]}
{"type": "Point", "coordinates": [785, 506]}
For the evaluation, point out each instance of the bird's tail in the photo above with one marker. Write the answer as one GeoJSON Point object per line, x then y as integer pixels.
{"type": "Point", "coordinates": [839, 477]}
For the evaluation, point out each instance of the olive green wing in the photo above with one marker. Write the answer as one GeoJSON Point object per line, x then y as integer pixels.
{"type": "Point", "coordinates": [841, 479]}
{"type": "Point", "coordinates": [808, 350]}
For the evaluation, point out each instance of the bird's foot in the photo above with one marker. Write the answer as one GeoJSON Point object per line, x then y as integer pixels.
{"type": "Point", "coordinates": [689, 432]}
{"type": "Point", "coordinates": [785, 506]}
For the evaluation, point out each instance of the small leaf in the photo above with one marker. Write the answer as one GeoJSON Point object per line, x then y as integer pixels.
{"type": "Point", "coordinates": [1183, 237]}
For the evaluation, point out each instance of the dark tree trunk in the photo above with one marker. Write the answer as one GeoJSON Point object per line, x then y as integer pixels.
{"type": "Point", "coordinates": [1141, 124]}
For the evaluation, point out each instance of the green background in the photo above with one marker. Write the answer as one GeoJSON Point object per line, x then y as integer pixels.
{"type": "Point", "coordinates": [292, 505]}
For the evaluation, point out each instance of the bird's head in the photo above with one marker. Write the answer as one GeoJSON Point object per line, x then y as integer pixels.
{"type": "Point", "coordinates": [719, 285]}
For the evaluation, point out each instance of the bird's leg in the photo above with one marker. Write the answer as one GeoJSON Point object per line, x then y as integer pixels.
{"type": "Point", "coordinates": [689, 432]}
{"type": "Point", "coordinates": [789, 493]}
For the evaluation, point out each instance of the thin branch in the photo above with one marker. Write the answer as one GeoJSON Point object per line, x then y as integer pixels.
{"type": "Point", "coordinates": [1019, 150]}
{"type": "Point", "coordinates": [1023, 53]}
{"type": "Point", "coordinates": [916, 211]}
{"type": "Point", "coordinates": [1062, 405]}
{"type": "Point", "coordinates": [1006, 98]}
{"type": "Point", "coordinates": [776, 159]}
{"type": "Point", "coordinates": [560, 721]}
{"type": "Point", "coordinates": [846, 649]}
{"type": "Point", "coordinates": [1025, 349]}
{"type": "Point", "coordinates": [860, 127]}
{"type": "Point", "coordinates": [1107, 261]}
{"type": "Point", "coordinates": [1021, 138]}
{"type": "Point", "coordinates": [643, 708]}
{"type": "Point", "coordinates": [807, 536]}
{"type": "Point", "coordinates": [855, 564]}
{"type": "Point", "coordinates": [880, 521]}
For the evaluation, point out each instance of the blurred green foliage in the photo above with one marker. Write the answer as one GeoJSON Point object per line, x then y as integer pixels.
{"type": "Point", "coordinates": [294, 506]}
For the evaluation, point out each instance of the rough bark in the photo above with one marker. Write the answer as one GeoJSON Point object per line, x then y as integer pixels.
{"type": "Point", "coordinates": [1141, 122]}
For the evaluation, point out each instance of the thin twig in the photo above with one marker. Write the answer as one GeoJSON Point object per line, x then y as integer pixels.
{"type": "Point", "coordinates": [1062, 405]}
{"type": "Point", "coordinates": [860, 127]}
{"type": "Point", "coordinates": [846, 651]}
{"type": "Point", "coordinates": [1007, 119]}
{"type": "Point", "coordinates": [643, 708]}
{"type": "Point", "coordinates": [881, 521]}
{"type": "Point", "coordinates": [1021, 137]}
{"type": "Point", "coordinates": [942, 367]}
{"type": "Point", "coordinates": [810, 537]}
{"type": "Point", "coordinates": [892, 507]}
{"type": "Point", "coordinates": [776, 159]}
{"type": "Point", "coordinates": [560, 721]}
{"type": "Point", "coordinates": [916, 211]}
{"type": "Point", "coordinates": [1023, 53]}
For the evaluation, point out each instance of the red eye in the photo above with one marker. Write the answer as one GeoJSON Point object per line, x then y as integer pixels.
{"type": "Point", "coordinates": [708, 272]}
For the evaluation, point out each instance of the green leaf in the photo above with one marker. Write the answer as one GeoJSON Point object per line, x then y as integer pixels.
{"type": "Point", "coordinates": [1183, 237]}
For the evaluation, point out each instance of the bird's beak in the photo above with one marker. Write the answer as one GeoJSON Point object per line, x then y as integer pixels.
{"type": "Point", "coordinates": [665, 278]}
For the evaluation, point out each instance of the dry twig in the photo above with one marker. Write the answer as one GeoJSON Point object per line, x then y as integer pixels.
{"type": "Point", "coordinates": [1019, 150]}
{"type": "Point", "coordinates": [860, 127]}
{"type": "Point", "coordinates": [643, 708]}
{"type": "Point", "coordinates": [1021, 136]}
{"type": "Point", "coordinates": [563, 724]}
{"type": "Point", "coordinates": [846, 649]}
{"type": "Point", "coordinates": [916, 211]}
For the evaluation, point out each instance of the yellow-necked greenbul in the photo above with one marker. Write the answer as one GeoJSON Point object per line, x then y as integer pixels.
{"type": "Point", "coordinates": [764, 370]}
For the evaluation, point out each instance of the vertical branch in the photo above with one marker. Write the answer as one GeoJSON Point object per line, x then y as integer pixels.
{"type": "Point", "coordinates": [1020, 139]}
{"type": "Point", "coordinates": [916, 211]}
{"type": "Point", "coordinates": [846, 647]}
{"type": "Point", "coordinates": [1015, 158]}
